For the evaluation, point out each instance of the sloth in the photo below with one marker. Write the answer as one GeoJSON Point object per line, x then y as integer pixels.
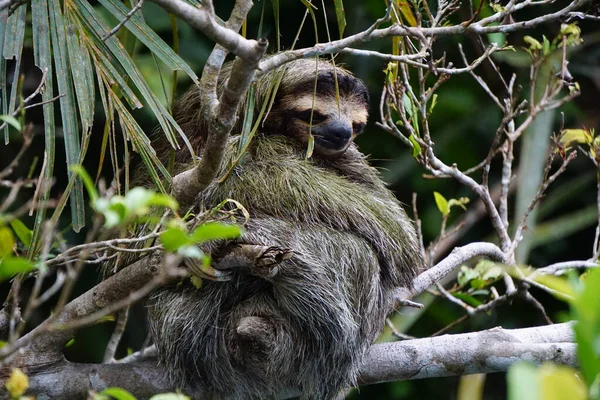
{"type": "Point", "coordinates": [304, 323]}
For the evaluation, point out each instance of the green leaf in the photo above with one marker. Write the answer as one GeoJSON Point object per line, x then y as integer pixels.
{"type": "Point", "coordinates": [466, 274]}
{"type": "Point", "coordinates": [560, 382]}
{"type": "Point", "coordinates": [467, 298]}
{"type": "Point", "coordinates": [559, 284]}
{"type": "Point", "coordinates": [7, 242]}
{"type": "Point", "coordinates": [118, 393]}
{"type": "Point", "coordinates": [11, 266]}
{"type": "Point", "coordinates": [340, 15]}
{"type": "Point", "coordinates": [23, 233]}
{"type": "Point", "coordinates": [43, 59]}
{"type": "Point", "coordinates": [215, 230]}
{"type": "Point", "coordinates": [68, 111]}
{"type": "Point", "coordinates": [12, 121]}
{"type": "Point", "coordinates": [581, 136]}
{"type": "Point", "coordinates": [416, 146]}
{"type": "Point", "coordinates": [442, 203]}
{"type": "Point", "coordinates": [523, 382]}
{"type": "Point", "coordinates": [534, 44]}
{"type": "Point", "coordinates": [83, 79]}
{"type": "Point", "coordinates": [146, 35]}
{"type": "Point", "coordinates": [174, 238]}
{"type": "Point", "coordinates": [586, 309]}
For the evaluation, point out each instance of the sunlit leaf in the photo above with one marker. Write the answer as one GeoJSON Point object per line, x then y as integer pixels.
{"type": "Point", "coordinates": [17, 383]}
{"type": "Point", "coordinates": [442, 203]}
{"type": "Point", "coordinates": [215, 230]}
{"type": "Point", "coordinates": [534, 44]}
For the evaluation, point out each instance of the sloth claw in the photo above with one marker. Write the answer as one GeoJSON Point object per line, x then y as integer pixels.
{"type": "Point", "coordinates": [262, 261]}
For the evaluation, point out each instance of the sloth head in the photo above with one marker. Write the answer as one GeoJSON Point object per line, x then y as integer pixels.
{"type": "Point", "coordinates": [300, 110]}
{"type": "Point", "coordinates": [335, 113]}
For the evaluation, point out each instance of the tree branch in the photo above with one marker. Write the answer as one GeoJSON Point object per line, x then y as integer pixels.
{"type": "Point", "coordinates": [492, 350]}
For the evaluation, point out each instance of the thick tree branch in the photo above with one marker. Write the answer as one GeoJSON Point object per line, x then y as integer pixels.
{"type": "Point", "coordinates": [488, 351]}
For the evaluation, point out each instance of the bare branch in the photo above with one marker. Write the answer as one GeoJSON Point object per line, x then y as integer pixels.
{"type": "Point", "coordinates": [454, 260]}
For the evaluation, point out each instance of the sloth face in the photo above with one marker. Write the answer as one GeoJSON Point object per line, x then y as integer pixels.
{"type": "Point", "coordinates": [333, 124]}
{"type": "Point", "coordinates": [334, 113]}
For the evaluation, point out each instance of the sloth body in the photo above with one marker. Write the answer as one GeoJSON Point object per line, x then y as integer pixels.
{"type": "Point", "coordinates": [307, 324]}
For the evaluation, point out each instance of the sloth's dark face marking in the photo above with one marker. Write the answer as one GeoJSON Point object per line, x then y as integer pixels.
{"type": "Point", "coordinates": [333, 121]}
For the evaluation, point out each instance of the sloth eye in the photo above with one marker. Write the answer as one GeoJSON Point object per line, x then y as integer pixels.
{"type": "Point", "coordinates": [317, 117]}
{"type": "Point", "coordinates": [358, 127]}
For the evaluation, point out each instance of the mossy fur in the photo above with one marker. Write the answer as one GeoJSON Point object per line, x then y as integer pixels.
{"type": "Point", "coordinates": [353, 245]}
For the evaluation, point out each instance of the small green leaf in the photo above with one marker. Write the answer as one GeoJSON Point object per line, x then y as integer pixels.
{"type": "Point", "coordinates": [546, 45]}
{"type": "Point", "coordinates": [11, 266]}
{"type": "Point", "coordinates": [465, 275]}
{"type": "Point", "coordinates": [7, 241]}
{"type": "Point", "coordinates": [442, 203]}
{"type": "Point", "coordinates": [569, 136]}
{"type": "Point", "coordinates": [118, 393]}
{"type": "Point", "coordinates": [197, 282]}
{"type": "Point", "coordinates": [433, 102]}
{"type": "Point", "coordinates": [416, 146]}
{"type": "Point", "coordinates": [173, 238]}
{"type": "Point", "coordinates": [12, 121]}
{"type": "Point", "coordinates": [462, 202]}
{"type": "Point", "coordinates": [23, 233]}
{"type": "Point", "coordinates": [214, 230]}
{"type": "Point", "coordinates": [533, 43]}
{"type": "Point", "coordinates": [467, 298]}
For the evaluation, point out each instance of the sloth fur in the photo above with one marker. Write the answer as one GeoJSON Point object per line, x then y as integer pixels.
{"type": "Point", "coordinates": [308, 325]}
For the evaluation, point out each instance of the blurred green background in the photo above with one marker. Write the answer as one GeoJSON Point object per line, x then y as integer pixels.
{"type": "Point", "coordinates": [463, 125]}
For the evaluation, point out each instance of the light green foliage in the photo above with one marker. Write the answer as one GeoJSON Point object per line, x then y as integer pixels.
{"type": "Point", "coordinates": [138, 202]}
{"type": "Point", "coordinates": [546, 382]}
{"type": "Point", "coordinates": [586, 310]}
{"type": "Point", "coordinates": [176, 238]}
{"type": "Point", "coordinates": [11, 265]}
{"type": "Point", "coordinates": [114, 393]}
{"type": "Point", "coordinates": [445, 205]}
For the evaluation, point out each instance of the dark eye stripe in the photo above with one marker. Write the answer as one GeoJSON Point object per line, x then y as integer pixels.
{"type": "Point", "coordinates": [358, 127]}
{"type": "Point", "coordinates": [317, 117]}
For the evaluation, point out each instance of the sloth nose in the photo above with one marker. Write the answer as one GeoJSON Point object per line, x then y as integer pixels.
{"type": "Point", "coordinates": [340, 132]}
